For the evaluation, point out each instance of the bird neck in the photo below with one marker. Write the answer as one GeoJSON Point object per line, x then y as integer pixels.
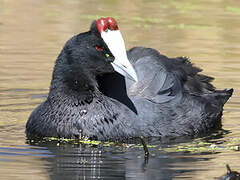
{"type": "Point", "coordinates": [113, 85]}
{"type": "Point", "coordinates": [72, 83]}
{"type": "Point", "coordinates": [79, 85]}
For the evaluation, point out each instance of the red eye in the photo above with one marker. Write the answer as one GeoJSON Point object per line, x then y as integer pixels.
{"type": "Point", "coordinates": [98, 48]}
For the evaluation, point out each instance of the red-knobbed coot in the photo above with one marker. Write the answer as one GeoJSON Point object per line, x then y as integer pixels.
{"type": "Point", "coordinates": [100, 91]}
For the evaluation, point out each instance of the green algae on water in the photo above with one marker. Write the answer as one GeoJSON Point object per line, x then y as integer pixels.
{"type": "Point", "coordinates": [195, 146]}
{"type": "Point", "coordinates": [234, 10]}
{"type": "Point", "coordinates": [146, 20]}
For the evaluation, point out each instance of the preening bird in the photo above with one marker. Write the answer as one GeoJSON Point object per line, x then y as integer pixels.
{"type": "Point", "coordinates": [100, 91]}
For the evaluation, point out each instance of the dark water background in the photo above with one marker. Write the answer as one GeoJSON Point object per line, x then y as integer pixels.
{"type": "Point", "coordinates": [33, 32]}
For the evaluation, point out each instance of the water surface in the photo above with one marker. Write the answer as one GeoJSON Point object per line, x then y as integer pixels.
{"type": "Point", "coordinates": [33, 32]}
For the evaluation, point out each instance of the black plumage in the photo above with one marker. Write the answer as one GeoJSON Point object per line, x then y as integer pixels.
{"type": "Point", "coordinates": [88, 98]}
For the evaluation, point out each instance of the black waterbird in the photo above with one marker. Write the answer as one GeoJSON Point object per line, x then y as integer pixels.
{"type": "Point", "coordinates": [90, 97]}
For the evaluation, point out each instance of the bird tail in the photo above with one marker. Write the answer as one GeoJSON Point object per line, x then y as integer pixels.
{"type": "Point", "coordinates": [223, 95]}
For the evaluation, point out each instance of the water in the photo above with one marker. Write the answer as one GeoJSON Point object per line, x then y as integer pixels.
{"type": "Point", "coordinates": [33, 32]}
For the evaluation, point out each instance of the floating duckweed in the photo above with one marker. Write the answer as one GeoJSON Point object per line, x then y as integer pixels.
{"type": "Point", "coordinates": [234, 10]}
{"type": "Point", "coordinates": [203, 143]}
{"type": "Point", "coordinates": [183, 7]}
{"type": "Point", "coordinates": [186, 26]}
{"type": "Point", "coordinates": [146, 20]}
{"type": "Point", "coordinates": [52, 138]}
{"type": "Point", "coordinates": [145, 26]}
{"type": "Point", "coordinates": [90, 142]}
{"type": "Point", "coordinates": [235, 148]}
{"type": "Point", "coordinates": [97, 16]}
{"type": "Point", "coordinates": [108, 144]}
{"type": "Point", "coordinates": [199, 146]}
{"type": "Point", "coordinates": [195, 146]}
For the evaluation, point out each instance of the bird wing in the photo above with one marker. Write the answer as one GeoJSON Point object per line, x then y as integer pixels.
{"type": "Point", "coordinates": [156, 81]}
{"type": "Point", "coordinates": [162, 79]}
